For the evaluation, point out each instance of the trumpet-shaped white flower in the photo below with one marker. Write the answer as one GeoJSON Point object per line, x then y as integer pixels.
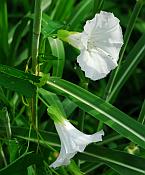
{"type": "Point", "coordinates": [99, 45]}
{"type": "Point", "coordinates": [72, 141]}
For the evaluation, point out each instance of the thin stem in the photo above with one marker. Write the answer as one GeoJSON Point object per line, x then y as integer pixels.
{"type": "Point", "coordinates": [33, 106]}
{"type": "Point", "coordinates": [110, 139]}
{"type": "Point", "coordinates": [141, 117]}
{"type": "Point", "coordinates": [36, 34]}
{"type": "Point", "coordinates": [84, 84]}
{"type": "Point", "coordinates": [35, 48]}
{"type": "Point", "coordinates": [4, 32]}
{"type": "Point", "coordinates": [8, 125]}
{"type": "Point", "coordinates": [3, 155]}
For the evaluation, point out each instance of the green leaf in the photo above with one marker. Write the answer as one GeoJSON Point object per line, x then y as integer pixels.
{"type": "Point", "coordinates": [20, 30]}
{"type": "Point", "coordinates": [49, 26]}
{"type": "Point", "coordinates": [21, 164]}
{"type": "Point", "coordinates": [93, 105]}
{"type": "Point", "coordinates": [49, 138]}
{"type": "Point", "coordinates": [10, 71]}
{"type": "Point", "coordinates": [90, 166]}
{"type": "Point", "coordinates": [127, 68]}
{"type": "Point", "coordinates": [130, 26]}
{"type": "Point", "coordinates": [62, 9]}
{"type": "Point", "coordinates": [5, 121]}
{"type": "Point", "coordinates": [68, 106]}
{"type": "Point", "coordinates": [4, 99]}
{"type": "Point", "coordinates": [13, 148]}
{"type": "Point", "coordinates": [46, 4]}
{"type": "Point", "coordinates": [121, 162]}
{"type": "Point", "coordinates": [17, 81]}
{"type": "Point", "coordinates": [90, 103]}
{"type": "Point", "coordinates": [127, 35]}
{"type": "Point", "coordinates": [23, 87]}
{"type": "Point", "coordinates": [141, 118]}
{"type": "Point", "coordinates": [80, 12]}
{"type": "Point", "coordinates": [3, 32]}
{"type": "Point", "coordinates": [50, 99]}
{"type": "Point", "coordinates": [57, 51]}
{"type": "Point", "coordinates": [98, 4]}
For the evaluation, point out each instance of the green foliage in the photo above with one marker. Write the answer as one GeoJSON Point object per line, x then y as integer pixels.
{"type": "Point", "coordinates": [29, 142]}
{"type": "Point", "coordinates": [3, 32]}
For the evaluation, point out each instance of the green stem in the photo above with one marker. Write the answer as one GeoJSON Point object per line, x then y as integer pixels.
{"type": "Point", "coordinates": [33, 106]}
{"type": "Point", "coordinates": [141, 118]}
{"type": "Point", "coordinates": [3, 155]}
{"type": "Point", "coordinates": [35, 48]}
{"type": "Point", "coordinates": [36, 34]}
{"type": "Point", "coordinates": [110, 139]}
{"type": "Point", "coordinates": [4, 32]}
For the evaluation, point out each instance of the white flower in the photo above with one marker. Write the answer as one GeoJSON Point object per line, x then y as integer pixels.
{"type": "Point", "coordinates": [99, 45]}
{"type": "Point", "coordinates": [72, 141]}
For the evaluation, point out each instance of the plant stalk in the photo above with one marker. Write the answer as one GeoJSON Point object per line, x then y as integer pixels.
{"type": "Point", "coordinates": [36, 34]}
{"type": "Point", "coordinates": [35, 50]}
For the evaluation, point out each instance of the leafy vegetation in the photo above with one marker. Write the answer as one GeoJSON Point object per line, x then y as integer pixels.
{"type": "Point", "coordinates": [33, 78]}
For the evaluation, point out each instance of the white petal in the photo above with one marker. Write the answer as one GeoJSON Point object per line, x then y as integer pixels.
{"type": "Point", "coordinates": [97, 136]}
{"type": "Point", "coordinates": [65, 138]}
{"type": "Point", "coordinates": [72, 141]}
{"type": "Point", "coordinates": [111, 49]}
{"type": "Point", "coordinates": [75, 40]}
{"type": "Point", "coordinates": [63, 158]}
{"type": "Point", "coordinates": [103, 24]}
{"type": "Point", "coordinates": [79, 137]}
{"type": "Point", "coordinates": [95, 63]}
{"type": "Point", "coordinates": [103, 32]}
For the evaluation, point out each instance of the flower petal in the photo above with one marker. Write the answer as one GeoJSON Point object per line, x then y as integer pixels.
{"type": "Point", "coordinates": [72, 141]}
{"type": "Point", "coordinates": [75, 40]}
{"type": "Point", "coordinates": [79, 138]}
{"type": "Point", "coordinates": [63, 158]}
{"type": "Point", "coordinates": [95, 63]}
{"type": "Point", "coordinates": [65, 138]}
{"type": "Point", "coordinates": [102, 25]}
{"type": "Point", "coordinates": [103, 32]}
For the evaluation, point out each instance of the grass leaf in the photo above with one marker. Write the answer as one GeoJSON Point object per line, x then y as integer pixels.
{"type": "Point", "coordinates": [93, 105]}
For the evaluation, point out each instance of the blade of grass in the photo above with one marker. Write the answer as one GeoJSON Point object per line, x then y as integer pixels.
{"type": "Point", "coordinates": [36, 34]}
{"type": "Point", "coordinates": [16, 168]}
{"type": "Point", "coordinates": [57, 51]}
{"type": "Point", "coordinates": [126, 69]}
{"type": "Point", "coordinates": [80, 12]}
{"type": "Point", "coordinates": [16, 37]}
{"type": "Point", "coordinates": [127, 35]}
{"type": "Point", "coordinates": [49, 26]}
{"type": "Point", "coordinates": [49, 98]}
{"type": "Point", "coordinates": [141, 118]}
{"type": "Point", "coordinates": [23, 87]}
{"type": "Point", "coordinates": [121, 162]}
{"type": "Point", "coordinates": [3, 32]}
{"type": "Point", "coordinates": [62, 9]}
{"type": "Point", "coordinates": [97, 6]}
{"type": "Point", "coordinates": [88, 167]}
{"type": "Point", "coordinates": [93, 105]}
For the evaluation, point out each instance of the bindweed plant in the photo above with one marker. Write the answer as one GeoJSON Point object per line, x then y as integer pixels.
{"type": "Point", "coordinates": [72, 87]}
